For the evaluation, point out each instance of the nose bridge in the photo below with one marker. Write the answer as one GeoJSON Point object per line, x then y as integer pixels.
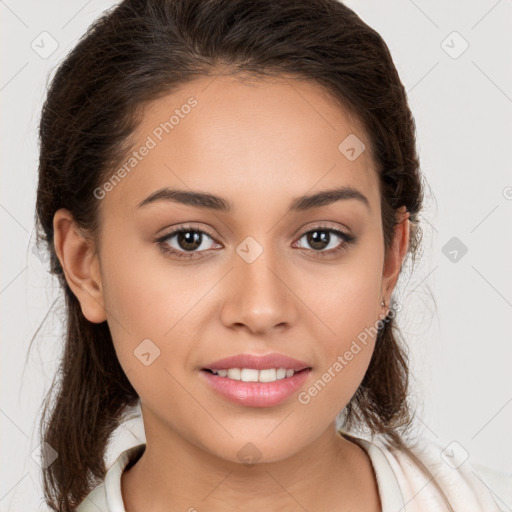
{"type": "Point", "coordinates": [258, 297]}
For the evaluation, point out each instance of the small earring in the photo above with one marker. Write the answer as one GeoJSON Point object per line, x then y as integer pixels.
{"type": "Point", "coordinates": [383, 304]}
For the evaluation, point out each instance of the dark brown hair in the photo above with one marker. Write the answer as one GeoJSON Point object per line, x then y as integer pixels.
{"type": "Point", "coordinates": [139, 51]}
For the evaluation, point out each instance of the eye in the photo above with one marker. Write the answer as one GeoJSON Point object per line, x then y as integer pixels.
{"type": "Point", "coordinates": [322, 241]}
{"type": "Point", "coordinates": [184, 242]}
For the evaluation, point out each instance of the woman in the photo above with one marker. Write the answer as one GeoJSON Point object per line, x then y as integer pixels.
{"type": "Point", "coordinates": [229, 190]}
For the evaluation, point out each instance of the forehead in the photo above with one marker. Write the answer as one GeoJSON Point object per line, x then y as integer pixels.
{"type": "Point", "coordinates": [247, 139]}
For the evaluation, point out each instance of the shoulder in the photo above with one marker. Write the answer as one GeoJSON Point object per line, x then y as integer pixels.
{"type": "Point", "coordinates": [467, 484]}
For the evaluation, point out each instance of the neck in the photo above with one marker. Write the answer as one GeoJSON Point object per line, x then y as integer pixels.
{"type": "Point", "coordinates": [173, 474]}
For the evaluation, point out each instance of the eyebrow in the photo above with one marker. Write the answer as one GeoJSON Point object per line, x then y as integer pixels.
{"type": "Point", "coordinates": [212, 202]}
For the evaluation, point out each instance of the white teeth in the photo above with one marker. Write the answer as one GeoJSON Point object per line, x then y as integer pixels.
{"type": "Point", "coordinates": [249, 375]}
{"type": "Point", "coordinates": [253, 375]}
{"type": "Point", "coordinates": [234, 373]}
{"type": "Point", "coordinates": [268, 375]}
{"type": "Point", "coordinates": [281, 373]}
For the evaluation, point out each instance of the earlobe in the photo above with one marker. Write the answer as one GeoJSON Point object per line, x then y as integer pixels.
{"type": "Point", "coordinates": [79, 261]}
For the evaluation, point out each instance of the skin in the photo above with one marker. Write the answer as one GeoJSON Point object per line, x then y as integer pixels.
{"type": "Point", "coordinates": [255, 144]}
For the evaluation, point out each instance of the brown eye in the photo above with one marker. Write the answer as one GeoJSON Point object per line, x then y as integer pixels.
{"type": "Point", "coordinates": [189, 240]}
{"type": "Point", "coordinates": [326, 240]}
{"type": "Point", "coordinates": [185, 242]}
{"type": "Point", "coordinates": [318, 239]}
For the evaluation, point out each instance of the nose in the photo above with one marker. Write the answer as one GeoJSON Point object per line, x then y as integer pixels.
{"type": "Point", "coordinates": [259, 296]}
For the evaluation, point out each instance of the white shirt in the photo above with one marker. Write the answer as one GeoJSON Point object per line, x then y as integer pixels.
{"type": "Point", "coordinates": [402, 486]}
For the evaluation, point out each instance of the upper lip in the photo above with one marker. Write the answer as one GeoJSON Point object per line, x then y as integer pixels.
{"type": "Point", "coordinates": [274, 360]}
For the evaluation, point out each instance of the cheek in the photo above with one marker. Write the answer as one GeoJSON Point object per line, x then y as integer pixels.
{"type": "Point", "coordinates": [150, 304]}
{"type": "Point", "coordinates": [143, 291]}
{"type": "Point", "coordinates": [133, 298]}
{"type": "Point", "coordinates": [348, 309]}
{"type": "Point", "coordinates": [346, 300]}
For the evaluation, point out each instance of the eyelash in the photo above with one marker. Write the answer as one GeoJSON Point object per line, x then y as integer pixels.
{"type": "Point", "coordinates": [347, 240]}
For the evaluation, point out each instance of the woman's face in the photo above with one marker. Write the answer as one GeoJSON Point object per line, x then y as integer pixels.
{"type": "Point", "coordinates": [264, 276]}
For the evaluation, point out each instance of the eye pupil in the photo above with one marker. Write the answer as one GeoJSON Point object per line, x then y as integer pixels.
{"type": "Point", "coordinates": [189, 240]}
{"type": "Point", "coordinates": [319, 239]}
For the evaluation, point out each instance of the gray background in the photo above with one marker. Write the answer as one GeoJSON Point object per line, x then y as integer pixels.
{"type": "Point", "coordinates": [457, 307]}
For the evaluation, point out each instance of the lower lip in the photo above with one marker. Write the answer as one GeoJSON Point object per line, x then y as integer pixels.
{"type": "Point", "coordinates": [256, 394]}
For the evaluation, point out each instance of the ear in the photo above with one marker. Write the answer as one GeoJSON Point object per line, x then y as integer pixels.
{"type": "Point", "coordinates": [79, 261]}
{"type": "Point", "coordinates": [395, 254]}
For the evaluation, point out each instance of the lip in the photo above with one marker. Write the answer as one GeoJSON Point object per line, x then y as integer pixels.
{"type": "Point", "coordinates": [256, 394]}
{"type": "Point", "coordinates": [274, 360]}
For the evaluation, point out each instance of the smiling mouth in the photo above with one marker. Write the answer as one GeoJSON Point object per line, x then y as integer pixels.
{"type": "Point", "coordinates": [254, 375]}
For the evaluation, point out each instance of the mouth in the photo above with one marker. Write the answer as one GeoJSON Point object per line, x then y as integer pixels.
{"type": "Point", "coordinates": [248, 387]}
{"type": "Point", "coordinates": [255, 375]}
{"type": "Point", "coordinates": [253, 380]}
